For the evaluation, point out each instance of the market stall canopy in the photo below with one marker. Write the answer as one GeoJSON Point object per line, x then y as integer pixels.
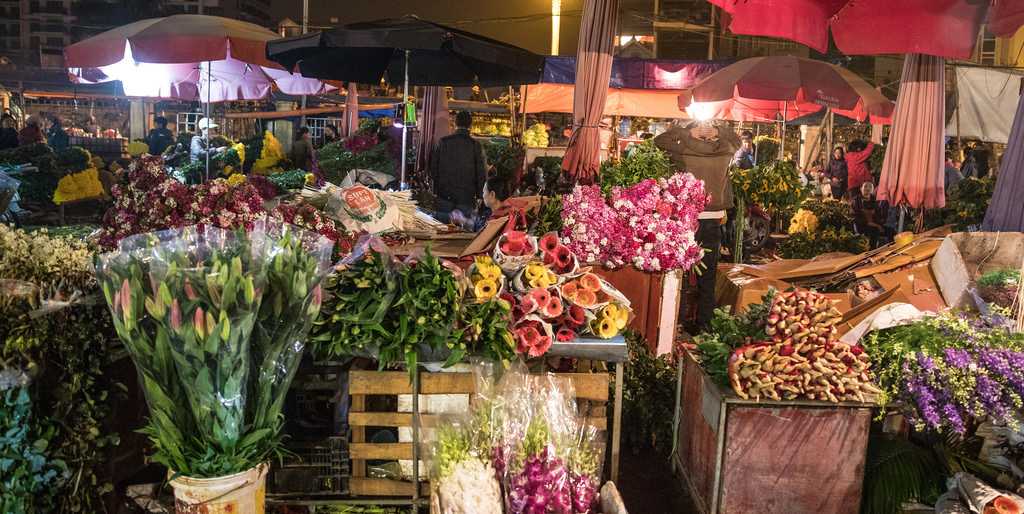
{"type": "Point", "coordinates": [943, 28]}
{"type": "Point", "coordinates": [438, 55]}
{"type": "Point", "coordinates": [637, 73]}
{"type": "Point", "coordinates": [649, 103]}
{"type": "Point", "coordinates": [987, 100]}
{"type": "Point", "coordinates": [790, 86]}
{"type": "Point", "coordinates": [186, 57]}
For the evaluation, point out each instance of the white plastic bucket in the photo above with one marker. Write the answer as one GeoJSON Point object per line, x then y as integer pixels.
{"type": "Point", "coordinates": [241, 493]}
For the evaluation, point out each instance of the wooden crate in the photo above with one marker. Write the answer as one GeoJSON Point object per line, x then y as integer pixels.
{"type": "Point", "coordinates": [591, 394]}
{"type": "Point", "coordinates": [770, 457]}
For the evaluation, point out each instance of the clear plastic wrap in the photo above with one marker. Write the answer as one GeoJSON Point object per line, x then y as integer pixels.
{"type": "Point", "coordinates": [215, 322]}
{"type": "Point", "coordinates": [544, 455]}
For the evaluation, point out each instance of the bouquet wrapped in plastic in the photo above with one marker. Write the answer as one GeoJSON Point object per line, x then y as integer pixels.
{"type": "Point", "coordinates": [527, 432]}
{"type": "Point", "coordinates": [215, 322]}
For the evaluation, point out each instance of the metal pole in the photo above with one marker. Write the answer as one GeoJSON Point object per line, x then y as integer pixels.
{"type": "Point", "coordinates": [782, 140]}
{"type": "Point", "coordinates": [711, 35]}
{"type": "Point", "coordinates": [405, 129]}
{"type": "Point", "coordinates": [617, 420]}
{"type": "Point", "coordinates": [305, 29]}
{"type": "Point", "coordinates": [206, 134]}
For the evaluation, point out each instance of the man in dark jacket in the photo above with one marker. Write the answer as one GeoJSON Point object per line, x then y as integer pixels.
{"type": "Point", "coordinates": [160, 137]}
{"type": "Point", "coordinates": [458, 170]}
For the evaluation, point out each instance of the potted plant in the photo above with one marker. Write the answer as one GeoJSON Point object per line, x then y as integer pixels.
{"type": "Point", "coordinates": [215, 322]}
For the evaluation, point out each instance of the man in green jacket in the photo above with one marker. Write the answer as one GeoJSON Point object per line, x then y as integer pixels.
{"type": "Point", "coordinates": [705, 150]}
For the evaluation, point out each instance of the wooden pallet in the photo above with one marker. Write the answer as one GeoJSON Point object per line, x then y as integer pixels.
{"type": "Point", "coordinates": [591, 394]}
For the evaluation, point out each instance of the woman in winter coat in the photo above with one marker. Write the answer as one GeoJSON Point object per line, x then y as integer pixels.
{"type": "Point", "coordinates": [838, 173]}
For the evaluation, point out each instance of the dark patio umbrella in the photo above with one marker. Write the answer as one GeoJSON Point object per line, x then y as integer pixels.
{"type": "Point", "coordinates": [407, 50]}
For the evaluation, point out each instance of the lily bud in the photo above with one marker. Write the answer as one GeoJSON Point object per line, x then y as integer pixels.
{"type": "Point", "coordinates": [175, 315]}
{"type": "Point", "coordinates": [198, 319]}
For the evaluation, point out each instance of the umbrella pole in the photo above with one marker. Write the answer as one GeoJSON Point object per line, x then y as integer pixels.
{"type": "Point", "coordinates": [405, 121]}
{"type": "Point", "coordinates": [206, 134]}
{"type": "Point", "coordinates": [782, 140]}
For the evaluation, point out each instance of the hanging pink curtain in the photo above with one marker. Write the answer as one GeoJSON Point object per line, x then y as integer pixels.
{"type": "Point", "coordinates": [913, 173]}
{"type": "Point", "coordinates": [434, 124]}
{"type": "Point", "coordinates": [350, 122]}
{"type": "Point", "coordinates": [1006, 210]}
{"type": "Point", "coordinates": [593, 70]}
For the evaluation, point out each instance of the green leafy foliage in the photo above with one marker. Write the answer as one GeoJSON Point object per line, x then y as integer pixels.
{"type": "Point", "coordinates": [898, 471]}
{"type": "Point", "coordinates": [727, 332]}
{"type": "Point", "coordinates": [775, 186]}
{"type": "Point", "coordinates": [27, 472]}
{"type": "Point", "coordinates": [641, 162]}
{"type": "Point", "coordinates": [547, 217]}
{"type": "Point", "coordinates": [966, 204]}
{"type": "Point", "coordinates": [648, 396]}
{"type": "Point", "coordinates": [336, 159]}
{"type": "Point", "coordinates": [288, 180]}
{"type": "Point", "coordinates": [876, 160]}
{"type": "Point", "coordinates": [73, 159]}
{"type": "Point", "coordinates": [552, 167]}
{"type": "Point", "coordinates": [378, 306]}
{"type": "Point", "coordinates": [36, 187]}
{"type": "Point", "coordinates": [808, 245]}
{"type": "Point", "coordinates": [484, 327]}
{"type": "Point", "coordinates": [69, 347]}
{"type": "Point", "coordinates": [505, 156]}
{"type": "Point", "coordinates": [830, 212]}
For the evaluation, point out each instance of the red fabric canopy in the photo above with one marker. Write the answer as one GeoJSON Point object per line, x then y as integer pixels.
{"type": "Point", "coordinates": [593, 69]}
{"type": "Point", "coordinates": [182, 38]}
{"type": "Point", "coordinates": [765, 88]}
{"type": "Point", "coordinates": [943, 28]}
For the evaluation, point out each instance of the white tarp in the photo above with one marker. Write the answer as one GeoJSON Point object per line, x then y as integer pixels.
{"type": "Point", "coordinates": [988, 101]}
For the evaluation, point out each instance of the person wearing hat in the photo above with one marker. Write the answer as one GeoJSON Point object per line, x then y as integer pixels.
{"type": "Point", "coordinates": [198, 148]}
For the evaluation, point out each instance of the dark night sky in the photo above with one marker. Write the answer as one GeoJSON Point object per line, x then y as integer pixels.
{"type": "Point", "coordinates": [526, 23]}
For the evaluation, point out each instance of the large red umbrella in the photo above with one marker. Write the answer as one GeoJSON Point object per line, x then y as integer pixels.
{"type": "Point", "coordinates": [913, 173]}
{"type": "Point", "coordinates": [943, 28]}
{"type": "Point", "coordinates": [785, 87]}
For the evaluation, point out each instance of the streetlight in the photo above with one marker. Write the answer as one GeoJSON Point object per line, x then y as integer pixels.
{"type": "Point", "coordinates": [556, 20]}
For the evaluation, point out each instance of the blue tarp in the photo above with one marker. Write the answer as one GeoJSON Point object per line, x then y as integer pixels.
{"type": "Point", "coordinates": [637, 73]}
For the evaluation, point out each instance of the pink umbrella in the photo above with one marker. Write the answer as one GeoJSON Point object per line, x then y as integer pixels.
{"type": "Point", "coordinates": [783, 87]}
{"type": "Point", "coordinates": [593, 70]}
{"type": "Point", "coordinates": [1006, 212]}
{"type": "Point", "coordinates": [350, 120]}
{"type": "Point", "coordinates": [433, 125]}
{"type": "Point", "coordinates": [945, 28]}
{"type": "Point", "coordinates": [189, 57]}
{"type": "Point", "coordinates": [913, 173]}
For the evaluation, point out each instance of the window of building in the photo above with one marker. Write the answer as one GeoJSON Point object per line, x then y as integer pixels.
{"type": "Point", "coordinates": [316, 127]}
{"type": "Point", "coordinates": [55, 41]}
{"type": "Point", "coordinates": [34, 27]}
{"type": "Point", "coordinates": [186, 122]}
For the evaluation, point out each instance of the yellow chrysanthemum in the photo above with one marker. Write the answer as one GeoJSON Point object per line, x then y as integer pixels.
{"type": "Point", "coordinates": [240, 150]}
{"type": "Point", "coordinates": [236, 179]}
{"type": "Point", "coordinates": [78, 186]}
{"type": "Point", "coordinates": [485, 289]}
{"type": "Point", "coordinates": [310, 179]}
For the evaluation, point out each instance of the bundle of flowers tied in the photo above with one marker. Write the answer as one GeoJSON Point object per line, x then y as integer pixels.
{"type": "Point", "coordinates": [551, 297]}
{"type": "Point", "coordinates": [523, 449]}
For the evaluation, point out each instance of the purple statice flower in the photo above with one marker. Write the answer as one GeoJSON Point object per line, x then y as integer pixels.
{"type": "Point", "coordinates": [924, 398]}
{"type": "Point", "coordinates": [927, 363]}
{"type": "Point", "coordinates": [953, 417]}
{"type": "Point", "coordinates": [990, 395]}
{"type": "Point", "coordinates": [958, 358]}
{"type": "Point", "coordinates": [1005, 364]}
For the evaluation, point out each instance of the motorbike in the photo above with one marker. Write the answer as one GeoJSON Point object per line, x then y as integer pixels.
{"type": "Point", "coordinates": [757, 229]}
